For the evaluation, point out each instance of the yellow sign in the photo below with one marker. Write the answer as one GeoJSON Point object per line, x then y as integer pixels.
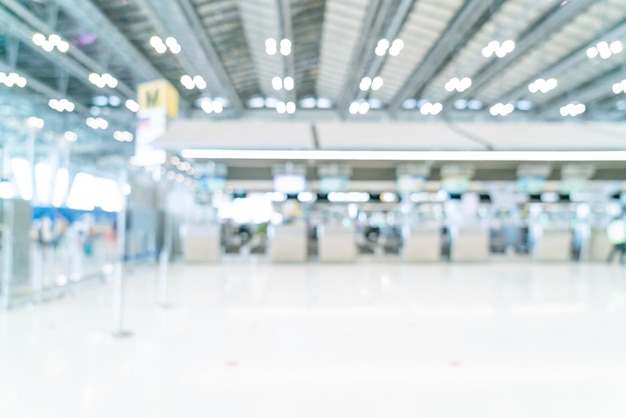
{"type": "Point", "coordinates": [158, 94]}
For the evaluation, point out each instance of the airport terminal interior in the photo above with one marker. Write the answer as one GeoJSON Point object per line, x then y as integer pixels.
{"type": "Point", "coordinates": [313, 208]}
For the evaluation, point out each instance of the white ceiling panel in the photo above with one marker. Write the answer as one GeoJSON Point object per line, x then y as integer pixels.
{"type": "Point", "coordinates": [391, 136]}
{"type": "Point", "coordinates": [237, 135]}
{"type": "Point", "coordinates": [549, 136]}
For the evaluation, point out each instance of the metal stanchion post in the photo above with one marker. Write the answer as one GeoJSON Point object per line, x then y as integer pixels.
{"type": "Point", "coordinates": [118, 272]}
{"type": "Point", "coordinates": [164, 256]}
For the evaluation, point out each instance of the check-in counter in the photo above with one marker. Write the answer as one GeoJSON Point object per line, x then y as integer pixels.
{"type": "Point", "coordinates": [336, 243]}
{"type": "Point", "coordinates": [470, 243]}
{"type": "Point", "coordinates": [554, 243]}
{"type": "Point", "coordinates": [201, 242]}
{"type": "Point", "coordinates": [288, 242]}
{"type": "Point", "coordinates": [599, 245]}
{"type": "Point", "coordinates": [421, 243]}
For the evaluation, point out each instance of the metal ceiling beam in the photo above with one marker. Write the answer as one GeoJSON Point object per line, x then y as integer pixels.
{"type": "Point", "coordinates": [181, 21]}
{"type": "Point", "coordinates": [75, 53]}
{"type": "Point", "coordinates": [390, 33]}
{"type": "Point", "coordinates": [471, 16]}
{"type": "Point", "coordinates": [85, 12]}
{"type": "Point", "coordinates": [572, 60]}
{"type": "Point", "coordinates": [44, 89]}
{"type": "Point", "coordinates": [592, 91]}
{"type": "Point", "coordinates": [562, 14]}
{"type": "Point", "coordinates": [25, 33]}
{"type": "Point", "coordinates": [286, 29]}
{"type": "Point", "coordinates": [373, 22]}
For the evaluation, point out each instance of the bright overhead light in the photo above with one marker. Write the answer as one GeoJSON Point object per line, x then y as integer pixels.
{"type": "Point", "coordinates": [13, 79]}
{"type": "Point", "coordinates": [616, 47]}
{"type": "Point", "coordinates": [617, 88]}
{"type": "Point", "coordinates": [155, 41]}
{"type": "Point", "coordinates": [429, 108]}
{"type": "Point", "coordinates": [70, 136]}
{"type": "Point", "coordinates": [308, 102]}
{"type": "Point", "coordinates": [170, 41]}
{"type": "Point", "coordinates": [364, 107]}
{"type": "Point", "coordinates": [460, 104]}
{"type": "Point", "coordinates": [53, 41]}
{"type": "Point", "coordinates": [132, 105]}
{"type": "Point", "coordinates": [377, 83]}
{"type": "Point", "coordinates": [474, 104]}
{"type": "Point", "coordinates": [396, 47]}
{"type": "Point", "coordinates": [288, 83]}
{"type": "Point", "coordinates": [324, 103]}
{"type": "Point", "coordinates": [97, 123]}
{"type": "Point", "coordinates": [270, 46]}
{"type": "Point", "coordinates": [123, 136]}
{"type": "Point", "coordinates": [457, 84]}
{"type": "Point", "coordinates": [524, 105]}
{"type": "Point", "coordinates": [365, 84]}
{"type": "Point", "coordinates": [291, 108]}
{"type": "Point", "coordinates": [199, 82]}
{"type": "Point", "coordinates": [604, 49]}
{"type": "Point", "coordinates": [501, 109]}
{"type": "Point", "coordinates": [35, 122]}
{"type": "Point", "coordinates": [39, 39]}
{"type": "Point", "coordinates": [217, 106]}
{"type": "Point", "coordinates": [499, 49]}
{"type": "Point", "coordinates": [103, 80]}
{"type": "Point", "coordinates": [277, 83]}
{"type": "Point", "coordinates": [409, 104]}
{"type": "Point", "coordinates": [354, 108]}
{"type": "Point", "coordinates": [281, 107]}
{"type": "Point", "coordinates": [285, 47]}
{"type": "Point", "coordinates": [572, 109]}
{"type": "Point", "coordinates": [378, 155]}
{"type": "Point", "coordinates": [543, 86]}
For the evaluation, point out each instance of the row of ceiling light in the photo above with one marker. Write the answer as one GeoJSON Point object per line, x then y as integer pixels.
{"type": "Point", "coordinates": [161, 47]}
{"type": "Point", "coordinates": [13, 79]}
{"type": "Point", "coordinates": [51, 42]}
{"type": "Point", "coordinates": [211, 105]}
{"type": "Point", "coordinates": [498, 49]}
{"type": "Point", "coordinates": [604, 49]}
{"type": "Point", "coordinates": [195, 82]}
{"type": "Point", "coordinates": [272, 47]}
{"type": "Point", "coordinates": [393, 48]}
{"type": "Point", "coordinates": [286, 83]}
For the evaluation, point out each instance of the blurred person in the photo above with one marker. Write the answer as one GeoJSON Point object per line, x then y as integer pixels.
{"type": "Point", "coordinates": [616, 231]}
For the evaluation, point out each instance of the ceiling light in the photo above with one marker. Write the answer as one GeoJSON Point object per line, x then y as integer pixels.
{"type": "Point", "coordinates": [396, 47]}
{"type": "Point", "coordinates": [35, 122]}
{"type": "Point", "coordinates": [324, 103]}
{"type": "Point", "coordinates": [543, 86]}
{"type": "Point", "coordinates": [70, 136]}
{"type": "Point", "coordinates": [271, 102]}
{"type": "Point", "coordinates": [115, 101]}
{"type": "Point", "coordinates": [281, 107]}
{"type": "Point", "coordinates": [475, 104]}
{"type": "Point", "coordinates": [457, 84]}
{"type": "Point", "coordinates": [12, 79]}
{"type": "Point", "coordinates": [460, 104]}
{"type": "Point", "coordinates": [364, 107]}
{"type": "Point", "coordinates": [499, 49]}
{"type": "Point", "coordinates": [428, 108]}
{"type": "Point", "coordinates": [308, 102]}
{"type": "Point", "coordinates": [285, 47]}
{"type": "Point", "coordinates": [409, 104]}
{"type": "Point", "coordinates": [270, 46]}
{"type": "Point", "coordinates": [377, 83]}
{"type": "Point", "coordinates": [256, 102]}
{"type": "Point", "coordinates": [501, 109]}
{"type": "Point", "coordinates": [291, 107]}
{"type": "Point", "coordinates": [103, 80]}
{"type": "Point", "coordinates": [277, 83]}
{"type": "Point", "coordinates": [155, 40]}
{"type": "Point", "coordinates": [48, 44]}
{"type": "Point", "coordinates": [375, 103]}
{"type": "Point", "coordinates": [123, 136]}
{"type": "Point", "coordinates": [616, 47]}
{"type": "Point", "coordinates": [199, 82]}
{"type": "Point", "coordinates": [173, 45]}
{"type": "Point", "coordinates": [206, 105]}
{"type": "Point", "coordinates": [572, 109]}
{"type": "Point", "coordinates": [132, 105]}
{"type": "Point", "coordinates": [217, 106]}
{"type": "Point", "coordinates": [592, 52]}
{"type": "Point", "coordinates": [354, 108]}
{"type": "Point", "coordinates": [97, 123]}
{"type": "Point", "coordinates": [383, 44]}
{"type": "Point", "coordinates": [365, 84]}
{"type": "Point", "coordinates": [617, 88]}
{"type": "Point", "coordinates": [524, 105]}
{"type": "Point", "coordinates": [39, 39]}
{"type": "Point", "coordinates": [288, 83]}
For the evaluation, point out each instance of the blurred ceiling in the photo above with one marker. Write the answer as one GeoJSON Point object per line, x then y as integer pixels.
{"type": "Point", "coordinates": [406, 60]}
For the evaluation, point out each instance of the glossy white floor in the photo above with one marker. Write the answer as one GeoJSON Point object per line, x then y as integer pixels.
{"type": "Point", "coordinates": [505, 340]}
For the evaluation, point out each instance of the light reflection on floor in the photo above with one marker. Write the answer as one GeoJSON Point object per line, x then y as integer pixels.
{"type": "Point", "coordinates": [502, 340]}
